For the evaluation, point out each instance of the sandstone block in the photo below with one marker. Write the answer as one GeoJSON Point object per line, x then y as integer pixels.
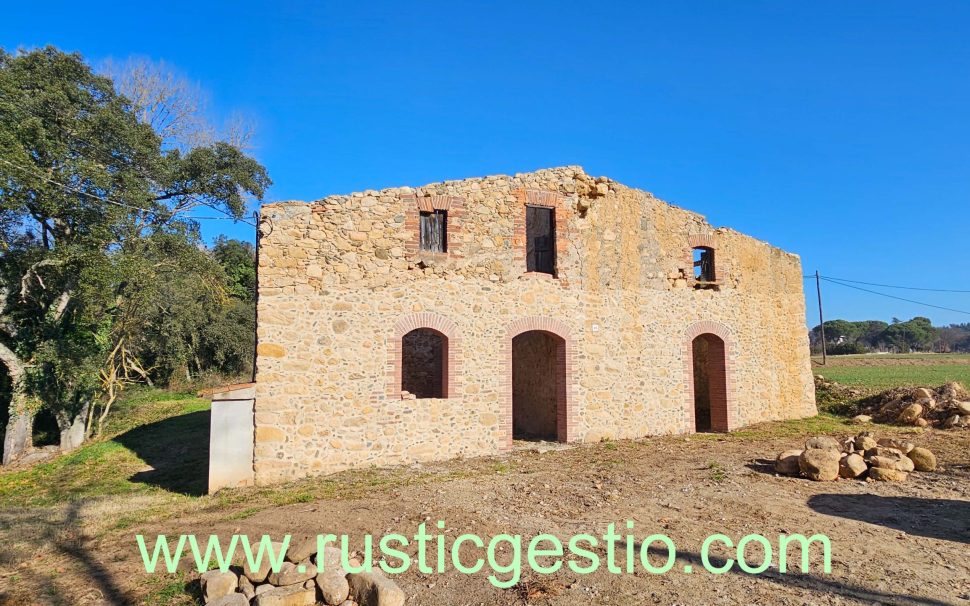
{"type": "Point", "coordinates": [233, 599]}
{"type": "Point", "coordinates": [882, 474]}
{"type": "Point", "coordinates": [908, 415]}
{"type": "Point", "coordinates": [216, 584]}
{"type": "Point", "coordinates": [852, 466]}
{"type": "Point", "coordinates": [333, 586]}
{"type": "Point", "coordinates": [374, 589]}
{"type": "Point", "coordinates": [294, 595]}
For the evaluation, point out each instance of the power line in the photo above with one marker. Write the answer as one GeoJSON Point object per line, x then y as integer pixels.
{"type": "Point", "coordinates": [66, 187]}
{"type": "Point", "coordinates": [882, 294]}
{"type": "Point", "coordinates": [893, 286]}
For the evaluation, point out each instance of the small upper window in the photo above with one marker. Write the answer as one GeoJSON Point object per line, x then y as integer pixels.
{"type": "Point", "coordinates": [434, 231]}
{"type": "Point", "coordinates": [540, 234]}
{"type": "Point", "coordinates": [704, 264]}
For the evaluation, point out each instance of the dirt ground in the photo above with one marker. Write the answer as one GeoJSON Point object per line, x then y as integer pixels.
{"type": "Point", "coordinates": [906, 543]}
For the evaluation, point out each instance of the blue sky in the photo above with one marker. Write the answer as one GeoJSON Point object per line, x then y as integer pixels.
{"type": "Point", "coordinates": [839, 131]}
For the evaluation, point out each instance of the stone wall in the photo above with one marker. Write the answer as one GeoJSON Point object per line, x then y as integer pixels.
{"type": "Point", "coordinates": [342, 280]}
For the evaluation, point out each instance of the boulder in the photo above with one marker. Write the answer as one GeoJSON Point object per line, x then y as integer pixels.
{"type": "Point", "coordinates": [333, 586]}
{"type": "Point", "coordinates": [263, 588]}
{"type": "Point", "coordinates": [233, 599]}
{"type": "Point", "coordinates": [292, 574]}
{"type": "Point", "coordinates": [216, 584]}
{"type": "Point", "coordinates": [900, 445]}
{"type": "Point", "coordinates": [787, 463]}
{"type": "Point", "coordinates": [258, 576]}
{"type": "Point", "coordinates": [921, 392]}
{"type": "Point", "coordinates": [861, 419]}
{"type": "Point", "coordinates": [884, 451]}
{"type": "Point", "coordinates": [908, 415]}
{"type": "Point", "coordinates": [374, 589]}
{"type": "Point", "coordinates": [294, 595]}
{"type": "Point", "coordinates": [864, 442]}
{"type": "Point", "coordinates": [852, 466]}
{"type": "Point", "coordinates": [301, 548]}
{"type": "Point", "coordinates": [246, 587]}
{"type": "Point", "coordinates": [882, 474]}
{"type": "Point", "coordinates": [963, 408]}
{"type": "Point", "coordinates": [823, 443]}
{"type": "Point", "coordinates": [821, 465]}
{"type": "Point", "coordinates": [923, 459]}
{"type": "Point", "coordinates": [897, 463]}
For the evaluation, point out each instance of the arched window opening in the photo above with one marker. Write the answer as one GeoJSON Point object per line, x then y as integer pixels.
{"type": "Point", "coordinates": [424, 363]}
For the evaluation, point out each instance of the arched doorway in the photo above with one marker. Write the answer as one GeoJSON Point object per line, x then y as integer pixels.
{"type": "Point", "coordinates": [710, 383]}
{"type": "Point", "coordinates": [424, 363]}
{"type": "Point", "coordinates": [538, 386]}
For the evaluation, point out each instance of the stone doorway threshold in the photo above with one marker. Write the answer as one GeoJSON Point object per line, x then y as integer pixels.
{"type": "Point", "coordinates": [539, 446]}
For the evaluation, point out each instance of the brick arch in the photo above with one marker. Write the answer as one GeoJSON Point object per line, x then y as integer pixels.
{"type": "Point", "coordinates": [452, 356]}
{"type": "Point", "coordinates": [565, 358]}
{"type": "Point", "coordinates": [728, 421]}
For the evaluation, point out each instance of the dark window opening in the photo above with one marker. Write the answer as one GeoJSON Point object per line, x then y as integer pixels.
{"type": "Point", "coordinates": [434, 231]}
{"type": "Point", "coordinates": [540, 234]}
{"type": "Point", "coordinates": [704, 265]}
{"type": "Point", "coordinates": [424, 363]}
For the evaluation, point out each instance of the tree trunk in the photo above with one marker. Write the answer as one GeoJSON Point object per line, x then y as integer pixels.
{"type": "Point", "coordinates": [18, 436]}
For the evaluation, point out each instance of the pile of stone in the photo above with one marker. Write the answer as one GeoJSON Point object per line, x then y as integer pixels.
{"type": "Point", "coordinates": [301, 582]}
{"type": "Point", "coordinates": [945, 407]}
{"type": "Point", "coordinates": [825, 459]}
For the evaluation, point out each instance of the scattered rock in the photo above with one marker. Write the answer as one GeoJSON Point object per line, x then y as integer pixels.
{"type": "Point", "coordinates": [787, 463]}
{"type": "Point", "coordinates": [923, 459]}
{"type": "Point", "coordinates": [861, 419]}
{"type": "Point", "coordinates": [852, 466]}
{"type": "Point", "coordinates": [909, 414]}
{"type": "Point", "coordinates": [216, 584]}
{"type": "Point", "coordinates": [819, 464]}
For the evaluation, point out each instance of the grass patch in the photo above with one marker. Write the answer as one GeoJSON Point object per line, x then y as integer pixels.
{"type": "Point", "coordinates": [154, 441]}
{"type": "Point", "coordinates": [881, 372]}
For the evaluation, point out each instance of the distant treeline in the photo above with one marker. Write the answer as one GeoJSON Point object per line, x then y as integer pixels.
{"type": "Point", "coordinates": [915, 335]}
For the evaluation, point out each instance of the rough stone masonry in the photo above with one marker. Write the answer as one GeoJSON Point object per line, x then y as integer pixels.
{"type": "Point", "coordinates": [405, 324]}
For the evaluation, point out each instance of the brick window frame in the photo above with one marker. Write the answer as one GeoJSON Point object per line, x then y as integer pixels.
{"type": "Point", "coordinates": [565, 363]}
{"type": "Point", "coordinates": [723, 420]}
{"type": "Point", "coordinates": [562, 212]}
{"type": "Point", "coordinates": [451, 364]}
{"type": "Point", "coordinates": [453, 205]}
{"type": "Point", "coordinates": [695, 241]}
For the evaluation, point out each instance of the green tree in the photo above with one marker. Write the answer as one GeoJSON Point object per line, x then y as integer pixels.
{"type": "Point", "coordinates": [90, 202]}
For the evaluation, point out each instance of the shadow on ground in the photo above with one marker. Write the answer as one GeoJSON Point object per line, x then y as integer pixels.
{"type": "Point", "coordinates": [176, 449]}
{"type": "Point", "coordinates": [946, 519]}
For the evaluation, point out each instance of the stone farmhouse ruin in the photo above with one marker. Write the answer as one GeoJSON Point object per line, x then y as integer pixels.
{"type": "Point", "coordinates": [415, 324]}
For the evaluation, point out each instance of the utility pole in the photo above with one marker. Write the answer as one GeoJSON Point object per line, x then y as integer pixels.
{"type": "Point", "coordinates": [821, 320]}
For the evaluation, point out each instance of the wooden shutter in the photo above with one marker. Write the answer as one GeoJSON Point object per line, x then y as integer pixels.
{"type": "Point", "coordinates": [434, 235]}
{"type": "Point", "coordinates": [540, 229]}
